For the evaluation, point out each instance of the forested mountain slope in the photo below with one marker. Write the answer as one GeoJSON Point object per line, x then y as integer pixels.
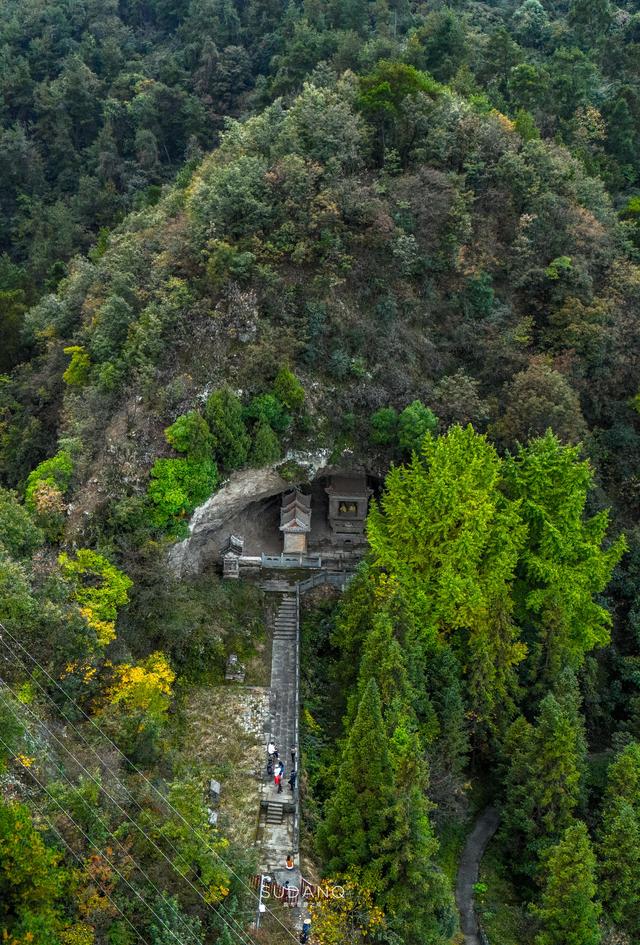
{"type": "Point", "coordinates": [415, 242]}
{"type": "Point", "coordinates": [103, 102]}
{"type": "Point", "coordinates": [389, 239]}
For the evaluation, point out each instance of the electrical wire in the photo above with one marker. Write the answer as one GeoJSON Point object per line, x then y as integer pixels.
{"type": "Point", "coordinates": [89, 841]}
{"type": "Point", "coordinates": [132, 765]}
{"type": "Point", "coordinates": [77, 856]}
{"type": "Point", "coordinates": [121, 809]}
{"type": "Point", "coordinates": [100, 819]}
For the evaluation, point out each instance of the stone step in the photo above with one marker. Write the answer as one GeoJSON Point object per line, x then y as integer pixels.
{"type": "Point", "coordinates": [284, 625]}
{"type": "Point", "coordinates": [275, 813]}
{"type": "Point", "coordinates": [277, 585]}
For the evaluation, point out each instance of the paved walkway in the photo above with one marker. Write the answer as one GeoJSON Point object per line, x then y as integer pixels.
{"type": "Point", "coordinates": [279, 814]}
{"type": "Point", "coordinates": [483, 830]}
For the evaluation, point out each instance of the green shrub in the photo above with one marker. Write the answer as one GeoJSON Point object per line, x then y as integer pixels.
{"type": "Point", "coordinates": [288, 389]}
{"type": "Point", "coordinates": [190, 434]}
{"type": "Point", "coordinates": [18, 532]}
{"type": "Point", "coordinates": [77, 373]}
{"type": "Point", "coordinates": [227, 261]}
{"type": "Point", "coordinates": [266, 447]}
{"type": "Point", "coordinates": [384, 426]}
{"type": "Point", "coordinates": [339, 364]}
{"type": "Point", "coordinates": [414, 423]}
{"type": "Point", "coordinates": [225, 417]}
{"type": "Point", "coordinates": [178, 486]}
{"type": "Point", "coordinates": [55, 472]}
{"type": "Point", "coordinates": [291, 471]}
{"type": "Point", "coordinates": [558, 266]}
{"type": "Point", "coordinates": [479, 296]}
{"type": "Point", "coordinates": [267, 408]}
{"type": "Point", "coordinates": [111, 375]}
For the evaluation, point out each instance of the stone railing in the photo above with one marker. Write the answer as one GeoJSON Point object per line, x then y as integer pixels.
{"type": "Point", "coordinates": [290, 561]}
{"type": "Point", "coordinates": [338, 579]}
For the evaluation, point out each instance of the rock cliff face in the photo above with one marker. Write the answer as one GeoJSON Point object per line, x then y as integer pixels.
{"type": "Point", "coordinates": [212, 522]}
{"type": "Point", "coordinates": [209, 526]}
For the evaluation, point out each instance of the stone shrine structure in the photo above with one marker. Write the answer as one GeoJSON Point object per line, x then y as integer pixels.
{"type": "Point", "coordinates": [295, 521]}
{"type": "Point", "coordinates": [348, 505]}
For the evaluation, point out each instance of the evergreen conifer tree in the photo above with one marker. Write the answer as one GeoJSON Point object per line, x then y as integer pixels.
{"type": "Point", "coordinates": [223, 412]}
{"type": "Point", "coordinates": [619, 873]}
{"type": "Point", "coordinates": [358, 813]}
{"type": "Point", "coordinates": [383, 660]}
{"type": "Point", "coordinates": [415, 893]}
{"type": "Point", "coordinates": [451, 540]}
{"type": "Point", "coordinates": [568, 914]}
{"type": "Point", "coordinates": [619, 848]}
{"type": "Point", "coordinates": [266, 446]}
{"type": "Point", "coordinates": [543, 782]}
{"type": "Point", "coordinates": [563, 565]}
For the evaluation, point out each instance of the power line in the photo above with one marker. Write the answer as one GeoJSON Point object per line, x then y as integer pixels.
{"type": "Point", "coordinates": [100, 819]}
{"type": "Point", "coordinates": [121, 809]}
{"type": "Point", "coordinates": [132, 765]}
{"type": "Point", "coordinates": [239, 931]}
{"type": "Point", "coordinates": [77, 856]}
{"type": "Point", "coordinates": [89, 841]}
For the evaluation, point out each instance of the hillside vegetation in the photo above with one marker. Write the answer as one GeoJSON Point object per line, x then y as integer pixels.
{"type": "Point", "coordinates": [403, 234]}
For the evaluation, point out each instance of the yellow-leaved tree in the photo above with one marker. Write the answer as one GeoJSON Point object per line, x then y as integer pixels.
{"type": "Point", "coordinates": [143, 690]}
{"type": "Point", "coordinates": [99, 589]}
{"type": "Point", "coordinates": [343, 913]}
{"type": "Point", "coordinates": [137, 703]}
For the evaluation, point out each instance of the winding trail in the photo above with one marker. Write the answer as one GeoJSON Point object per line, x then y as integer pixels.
{"type": "Point", "coordinates": [483, 830]}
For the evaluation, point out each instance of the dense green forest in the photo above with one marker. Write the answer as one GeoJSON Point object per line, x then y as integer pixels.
{"type": "Point", "coordinates": [401, 232]}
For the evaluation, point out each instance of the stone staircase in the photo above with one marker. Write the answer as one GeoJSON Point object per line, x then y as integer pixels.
{"type": "Point", "coordinates": [283, 676]}
{"type": "Point", "coordinates": [278, 826]}
{"type": "Point", "coordinates": [275, 813]}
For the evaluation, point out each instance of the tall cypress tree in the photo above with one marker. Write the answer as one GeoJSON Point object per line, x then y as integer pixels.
{"type": "Point", "coordinates": [353, 622]}
{"type": "Point", "coordinates": [620, 842]}
{"type": "Point", "coordinates": [542, 784]}
{"type": "Point", "coordinates": [567, 913]}
{"type": "Point", "coordinates": [358, 813]}
{"type": "Point", "coordinates": [623, 777]}
{"type": "Point", "coordinates": [383, 660]}
{"type": "Point", "coordinates": [563, 565]}
{"type": "Point", "coordinates": [450, 541]}
{"type": "Point", "coordinates": [414, 892]}
{"type": "Point", "coordinates": [619, 873]}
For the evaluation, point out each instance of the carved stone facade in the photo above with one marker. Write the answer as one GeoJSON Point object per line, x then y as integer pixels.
{"type": "Point", "coordinates": [348, 505]}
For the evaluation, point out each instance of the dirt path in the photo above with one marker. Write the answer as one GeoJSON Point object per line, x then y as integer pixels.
{"type": "Point", "coordinates": [483, 830]}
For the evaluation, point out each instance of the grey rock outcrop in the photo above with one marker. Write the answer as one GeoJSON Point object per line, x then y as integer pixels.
{"type": "Point", "coordinates": [213, 522]}
{"type": "Point", "coordinates": [209, 525]}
